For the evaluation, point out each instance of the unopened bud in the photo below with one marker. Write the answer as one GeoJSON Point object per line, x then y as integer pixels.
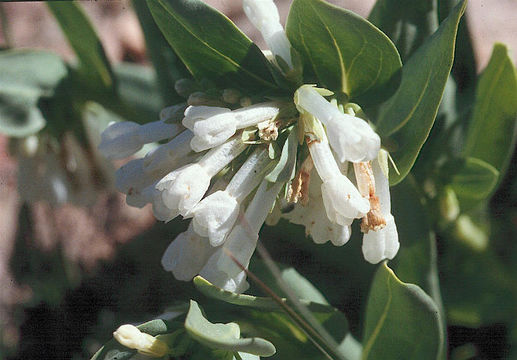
{"type": "Point", "coordinates": [173, 114]}
{"type": "Point", "coordinates": [470, 234]}
{"type": "Point", "coordinates": [185, 87]}
{"type": "Point", "coordinates": [200, 98]}
{"type": "Point", "coordinates": [29, 145]}
{"type": "Point", "coordinates": [131, 337]}
{"type": "Point", "coordinates": [245, 101]}
{"type": "Point", "coordinates": [449, 204]}
{"type": "Point", "coordinates": [231, 96]}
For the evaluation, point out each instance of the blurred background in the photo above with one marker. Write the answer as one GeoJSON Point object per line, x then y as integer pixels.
{"type": "Point", "coordinates": [69, 275]}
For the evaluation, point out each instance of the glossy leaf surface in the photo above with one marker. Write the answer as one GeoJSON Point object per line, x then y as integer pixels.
{"type": "Point", "coordinates": [409, 115]}
{"type": "Point", "coordinates": [402, 321]}
{"type": "Point", "coordinates": [27, 75]}
{"type": "Point", "coordinates": [210, 45]}
{"type": "Point", "coordinates": [94, 67]}
{"type": "Point", "coordinates": [347, 53]}
{"type": "Point", "coordinates": [491, 134]}
{"type": "Point", "coordinates": [223, 336]}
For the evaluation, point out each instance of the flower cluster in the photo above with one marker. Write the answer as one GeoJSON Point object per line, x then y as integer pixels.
{"type": "Point", "coordinates": [217, 166]}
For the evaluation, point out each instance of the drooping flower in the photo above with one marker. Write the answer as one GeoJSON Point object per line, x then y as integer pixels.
{"type": "Point", "coordinates": [212, 126]}
{"type": "Point", "coordinates": [215, 215]}
{"type": "Point", "coordinates": [382, 243]}
{"type": "Point", "coordinates": [221, 269]}
{"type": "Point", "coordinates": [350, 137]}
{"type": "Point", "coordinates": [313, 217]}
{"type": "Point", "coordinates": [343, 202]}
{"type": "Point", "coordinates": [264, 15]}
{"type": "Point", "coordinates": [183, 188]}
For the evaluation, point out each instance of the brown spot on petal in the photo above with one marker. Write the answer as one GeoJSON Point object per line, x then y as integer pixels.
{"type": "Point", "coordinates": [299, 187]}
{"type": "Point", "coordinates": [373, 219]}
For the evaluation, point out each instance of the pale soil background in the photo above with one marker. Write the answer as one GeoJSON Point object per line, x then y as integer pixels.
{"type": "Point", "coordinates": [110, 222]}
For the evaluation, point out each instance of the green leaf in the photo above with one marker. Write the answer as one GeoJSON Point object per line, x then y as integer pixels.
{"type": "Point", "coordinates": [207, 289]}
{"type": "Point", "coordinates": [416, 261]}
{"type": "Point", "coordinates": [270, 321]}
{"type": "Point", "coordinates": [474, 179]}
{"type": "Point", "coordinates": [223, 336]}
{"type": "Point", "coordinates": [408, 116]}
{"type": "Point", "coordinates": [402, 321]}
{"type": "Point", "coordinates": [138, 89]}
{"type": "Point", "coordinates": [491, 134]}
{"type": "Point", "coordinates": [347, 53]}
{"type": "Point", "coordinates": [168, 67]}
{"type": "Point", "coordinates": [407, 22]}
{"type": "Point", "coordinates": [210, 45]}
{"type": "Point", "coordinates": [27, 76]}
{"type": "Point", "coordinates": [94, 68]}
{"type": "Point", "coordinates": [285, 168]}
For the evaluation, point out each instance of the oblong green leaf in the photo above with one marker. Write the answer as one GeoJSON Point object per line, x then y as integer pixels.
{"type": "Point", "coordinates": [474, 179]}
{"type": "Point", "coordinates": [402, 321]}
{"type": "Point", "coordinates": [347, 53]}
{"type": "Point", "coordinates": [27, 75]}
{"type": "Point", "coordinates": [223, 336]}
{"type": "Point", "coordinates": [409, 25]}
{"type": "Point", "coordinates": [491, 134]}
{"type": "Point", "coordinates": [207, 289]}
{"type": "Point", "coordinates": [138, 89]}
{"type": "Point", "coordinates": [94, 67]}
{"type": "Point", "coordinates": [166, 64]}
{"type": "Point", "coordinates": [210, 45]}
{"type": "Point", "coordinates": [409, 115]}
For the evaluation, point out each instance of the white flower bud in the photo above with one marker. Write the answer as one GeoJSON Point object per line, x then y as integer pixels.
{"type": "Point", "coordinates": [263, 14]}
{"type": "Point", "coordinates": [350, 137]}
{"type": "Point", "coordinates": [130, 336]}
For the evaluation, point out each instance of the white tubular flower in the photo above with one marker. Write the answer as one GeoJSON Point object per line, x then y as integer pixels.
{"type": "Point", "coordinates": [123, 139]}
{"type": "Point", "coordinates": [220, 268]}
{"type": "Point", "coordinates": [130, 336]}
{"type": "Point", "coordinates": [136, 175]}
{"type": "Point", "coordinates": [215, 215]}
{"type": "Point", "coordinates": [342, 200]}
{"type": "Point", "coordinates": [169, 155]}
{"type": "Point", "coordinates": [384, 243]}
{"type": "Point", "coordinates": [263, 14]}
{"type": "Point", "coordinates": [183, 188]}
{"type": "Point", "coordinates": [187, 255]}
{"type": "Point", "coordinates": [351, 137]}
{"type": "Point", "coordinates": [313, 217]}
{"type": "Point", "coordinates": [212, 126]}
{"type": "Point", "coordinates": [129, 175]}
